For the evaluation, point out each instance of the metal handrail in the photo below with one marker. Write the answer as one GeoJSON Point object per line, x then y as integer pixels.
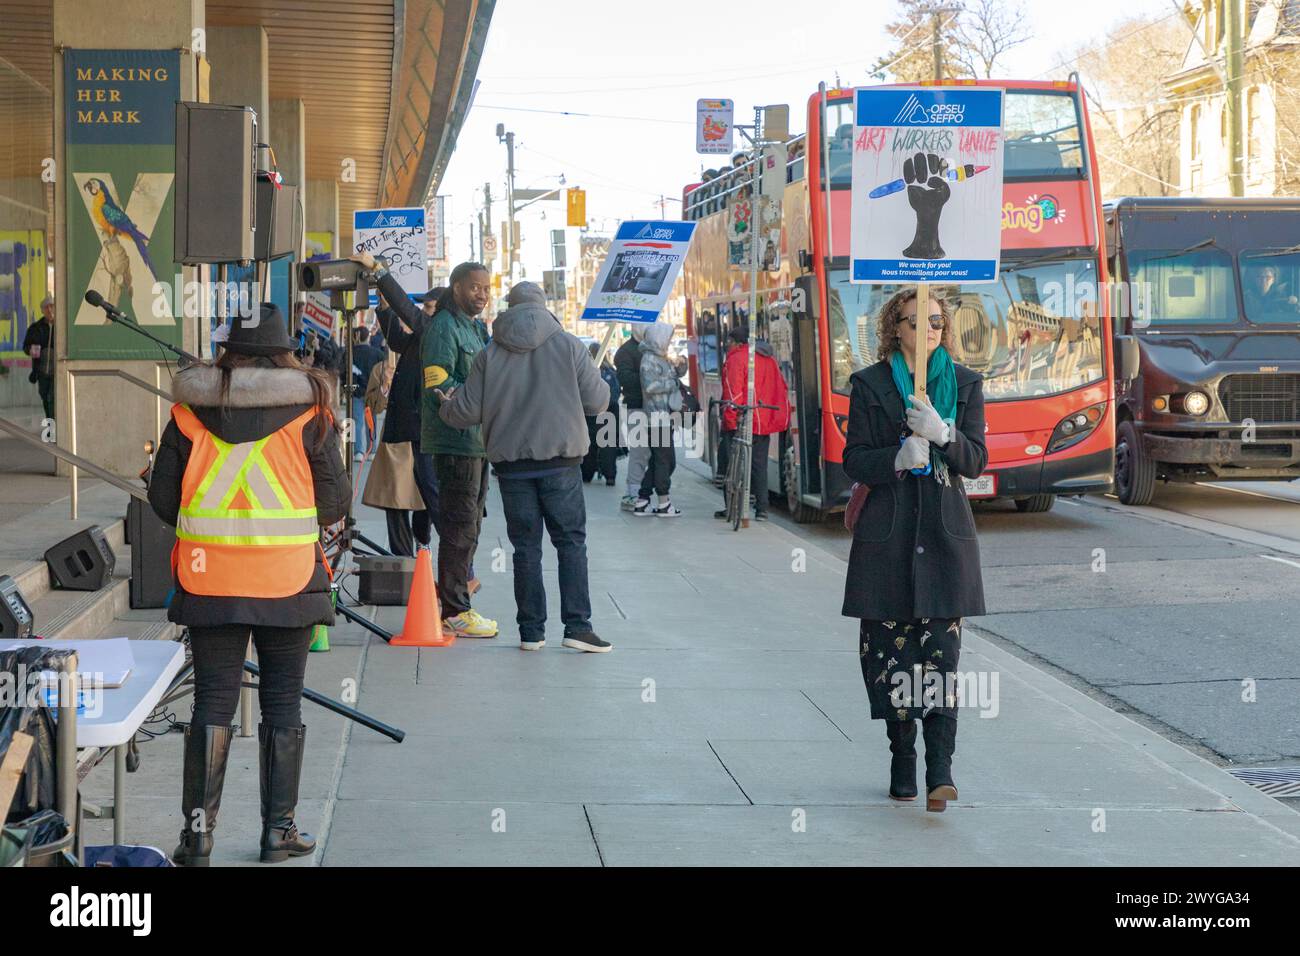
{"type": "Point", "coordinates": [155, 389]}
{"type": "Point", "coordinates": [17, 431]}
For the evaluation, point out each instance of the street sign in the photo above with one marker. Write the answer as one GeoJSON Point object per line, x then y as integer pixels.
{"type": "Point", "coordinates": [577, 207]}
{"type": "Point", "coordinates": [398, 237]}
{"type": "Point", "coordinates": [927, 185]}
{"type": "Point", "coordinates": [713, 126]}
{"type": "Point", "coordinates": [490, 246]}
{"type": "Point", "coordinates": [553, 283]}
{"type": "Point", "coordinates": [559, 259]}
{"type": "Point", "coordinates": [638, 272]}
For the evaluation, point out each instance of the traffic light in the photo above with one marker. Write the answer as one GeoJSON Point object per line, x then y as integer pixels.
{"type": "Point", "coordinates": [577, 203]}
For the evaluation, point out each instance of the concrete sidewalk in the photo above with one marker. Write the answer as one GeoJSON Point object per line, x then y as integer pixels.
{"type": "Point", "coordinates": [728, 726]}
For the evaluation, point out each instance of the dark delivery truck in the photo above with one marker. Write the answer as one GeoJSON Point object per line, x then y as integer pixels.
{"type": "Point", "coordinates": [1209, 289]}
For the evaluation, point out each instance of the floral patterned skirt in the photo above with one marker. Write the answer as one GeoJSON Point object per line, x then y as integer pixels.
{"type": "Point", "coordinates": [910, 667]}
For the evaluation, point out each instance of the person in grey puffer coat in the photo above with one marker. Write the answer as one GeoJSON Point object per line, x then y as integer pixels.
{"type": "Point", "coordinates": [661, 397]}
{"type": "Point", "coordinates": [531, 389]}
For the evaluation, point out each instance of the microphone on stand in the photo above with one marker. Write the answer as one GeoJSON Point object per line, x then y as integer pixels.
{"type": "Point", "coordinates": [117, 315]}
{"type": "Point", "coordinates": [97, 300]}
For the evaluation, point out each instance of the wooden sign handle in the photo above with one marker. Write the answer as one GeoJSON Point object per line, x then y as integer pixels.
{"type": "Point", "coordinates": [921, 357]}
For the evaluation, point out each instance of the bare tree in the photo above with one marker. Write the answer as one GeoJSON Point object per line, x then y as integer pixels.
{"type": "Point", "coordinates": [986, 30]}
{"type": "Point", "coordinates": [911, 60]}
{"type": "Point", "coordinates": [1135, 124]}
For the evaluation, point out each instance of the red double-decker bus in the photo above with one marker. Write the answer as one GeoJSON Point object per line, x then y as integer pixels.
{"type": "Point", "coordinates": [1040, 334]}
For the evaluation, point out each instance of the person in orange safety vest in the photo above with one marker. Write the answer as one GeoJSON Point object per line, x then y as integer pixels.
{"type": "Point", "coordinates": [249, 469]}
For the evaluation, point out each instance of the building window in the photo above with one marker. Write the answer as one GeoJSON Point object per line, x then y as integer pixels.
{"type": "Point", "coordinates": [1254, 134]}
{"type": "Point", "coordinates": [1194, 129]}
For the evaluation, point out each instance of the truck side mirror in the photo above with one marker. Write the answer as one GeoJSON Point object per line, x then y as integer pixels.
{"type": "Point", "coordinates": [1130, 358]}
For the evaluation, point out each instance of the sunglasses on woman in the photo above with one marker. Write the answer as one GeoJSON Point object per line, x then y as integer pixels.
{"type": "Point", "coordinates": [936, 322]}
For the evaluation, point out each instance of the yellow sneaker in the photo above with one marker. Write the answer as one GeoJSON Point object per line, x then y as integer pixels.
{"type": "Point", "coordinates": [470, 624]}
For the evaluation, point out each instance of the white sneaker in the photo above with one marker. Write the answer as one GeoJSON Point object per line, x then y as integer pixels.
{"type": "Point", "coordinates": [628, 503]}
{"type": "Point", "coordinates": [642, 507]}
{"type": "Point", "coordinates": [532, 645]}
{"type": "Point", "coordinates": [667, 509]}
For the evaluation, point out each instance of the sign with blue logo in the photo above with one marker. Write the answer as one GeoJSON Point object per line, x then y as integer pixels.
{"type": "Point", "coordinates": [927, 184]}
{"type": "Point", "coordinates": [398, 237]}
{"type": "Point", "coordinates": [638, 272]}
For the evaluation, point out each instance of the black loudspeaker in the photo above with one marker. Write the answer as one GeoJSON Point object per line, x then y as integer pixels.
{"type": "Point", "coordinates": [216, 191]}
{"type": "Point", "coordinates": [151, 555]}
{"type": "Point", "coordinates": [16, 619]}
{"type": "Point", "coordinates": [83, 562]}
{"type": "Point", "coordinates": [277, 220]}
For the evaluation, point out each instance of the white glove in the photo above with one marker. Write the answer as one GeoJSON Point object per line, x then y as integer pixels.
{"type": "Point", "coordinates": [925, 421]}
{"type": "Point", "coordinates": [913, 453]}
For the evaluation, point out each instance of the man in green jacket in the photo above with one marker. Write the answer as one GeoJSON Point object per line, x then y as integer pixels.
{"type": "Point", "coordinates": [447, 350]}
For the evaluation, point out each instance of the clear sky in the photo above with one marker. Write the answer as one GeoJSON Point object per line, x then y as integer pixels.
{"type": "Point", "coordinates": [637, 70]}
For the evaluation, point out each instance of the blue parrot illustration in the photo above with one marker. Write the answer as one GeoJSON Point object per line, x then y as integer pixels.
{"type": "Point", "coordinates": [112, 221]}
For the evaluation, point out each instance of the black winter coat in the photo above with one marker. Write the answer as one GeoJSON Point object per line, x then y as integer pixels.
{"type": "Point", "coordinates": [915, 553]}
{"type": "Point", "coordinates": [627, 362]}
{"type": "Point", "coordinates": [402, 420]}
{"type": "Point", "coordinates": [262, 401]}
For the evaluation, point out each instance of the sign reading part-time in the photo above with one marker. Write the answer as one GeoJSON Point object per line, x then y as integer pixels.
{"type": "Point", "coordinates": [927, 184]}
{"type": "Point", "coordinates": [398, 237]}
{"type": "Point", "coordinates": [638, 272]}
{"type": "Point", "coordinates": [120, 130]}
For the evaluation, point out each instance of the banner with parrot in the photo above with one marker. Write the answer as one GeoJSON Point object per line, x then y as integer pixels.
{"type": "Point", "coordinates": [120, 172]}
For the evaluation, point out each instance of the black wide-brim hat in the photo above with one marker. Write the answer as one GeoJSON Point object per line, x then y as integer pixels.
{"type": "Point", "coordinates": [268, 335]}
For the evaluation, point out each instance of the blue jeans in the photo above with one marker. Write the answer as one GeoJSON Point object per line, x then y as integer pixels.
{"type": "Point", "coordinates": [555, 501]}
{"type": "Point", "coordinates": [359, 431]}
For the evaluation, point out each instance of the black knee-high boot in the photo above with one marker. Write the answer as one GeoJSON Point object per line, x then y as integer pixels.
{"type": "Point", "coordinates": [940, 743]}
{"type": "Point", "coordinates": [902, 766]}
{"type": "Point", "coordinates": [281, 769]}
{"type": "Point", "coordinates": [202, 778]}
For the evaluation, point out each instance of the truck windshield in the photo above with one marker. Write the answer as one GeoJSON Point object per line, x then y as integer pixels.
{"type": "Point", "coordinates": [1036, 331]}
{"type": "Point", "coordinates": [1173, 288]}
{"type": "Point", "coordinates": [1270, 285]}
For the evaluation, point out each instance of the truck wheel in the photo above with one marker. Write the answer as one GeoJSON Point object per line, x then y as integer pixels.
{"type": "Point", "coordinates": [1135, 472]}
{"type": "Point", "coordinates": [800, 512]}
{"type": "Point", "coordinates": [1035, 504]}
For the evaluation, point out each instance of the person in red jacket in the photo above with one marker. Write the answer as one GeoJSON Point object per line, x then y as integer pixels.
{"type": "Point", "coordinates": [769, 389]}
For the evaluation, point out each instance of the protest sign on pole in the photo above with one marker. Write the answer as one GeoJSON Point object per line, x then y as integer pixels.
{"type": "Point", "coordinates": [713, 126]}
{"type": "Point", "coordinates": [926, 191]}
{"type": "Point", "coordinates": [927, 184]}
{"type": "Point", "coordinates": [398, 237]}
{"type": "Point", "coordinates": [638, 272]}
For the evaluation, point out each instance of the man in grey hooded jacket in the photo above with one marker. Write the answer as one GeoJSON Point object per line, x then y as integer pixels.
{"type": "Point", "coordinates": [531, 389]}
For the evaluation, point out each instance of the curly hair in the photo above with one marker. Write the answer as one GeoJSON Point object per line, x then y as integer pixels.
{"type": "Point", "coordinates": [892, 313]}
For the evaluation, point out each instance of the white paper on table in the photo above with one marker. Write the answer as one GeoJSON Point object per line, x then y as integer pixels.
{"type": "Point", "coordinates": [105, 662]}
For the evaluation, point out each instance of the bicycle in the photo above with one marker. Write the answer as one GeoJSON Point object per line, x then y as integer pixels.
{"type": "Point", "coordinates": [738, 457]}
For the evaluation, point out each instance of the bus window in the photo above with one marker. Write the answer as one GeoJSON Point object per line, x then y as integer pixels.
{"type": "Point", "coordinates": [711, 323]}
{"type": "Point", "coordinates": [1270, 285]}
{"type": "Point", "coordinates": [852, 315]}
{"type": "Point", "coordinates": [1036, 331]}
{"type": "Point", "coordinates": [839, 126]}
{"type": "Point", "coordinates": [1193, 288]}
{"type": "Point", "coordinates": [1042, 135]}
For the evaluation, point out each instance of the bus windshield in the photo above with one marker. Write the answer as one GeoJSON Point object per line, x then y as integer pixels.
{"type": "Point", "coordinates": [1036, 331]}
{"type": "Point", "coordinates": [1043, 137]}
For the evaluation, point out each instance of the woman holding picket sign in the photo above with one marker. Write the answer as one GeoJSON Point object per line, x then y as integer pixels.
{"type": "Point", "coordinates": [914, 568]}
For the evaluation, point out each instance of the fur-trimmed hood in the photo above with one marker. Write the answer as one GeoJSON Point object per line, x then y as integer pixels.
{"type": "Point", "coordinates": [200, 386]}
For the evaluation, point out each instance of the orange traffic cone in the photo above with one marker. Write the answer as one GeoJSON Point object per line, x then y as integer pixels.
{"type": "Point", "coordinates": [423, 624]}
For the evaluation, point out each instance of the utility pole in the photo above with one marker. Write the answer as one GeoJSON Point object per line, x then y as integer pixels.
{"type": "Point", "coordinates": [1234, 22]}
{"type": "Point", "coordinates": [936, 34]}
{"type": "Point", "coordinates": [509, 140]}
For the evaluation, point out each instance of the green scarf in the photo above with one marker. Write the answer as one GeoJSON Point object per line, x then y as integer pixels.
{"type": "Point", "coordinates": [940, 387]}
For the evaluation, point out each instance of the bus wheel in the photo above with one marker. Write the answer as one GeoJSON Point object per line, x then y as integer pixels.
{"type": "Point", "coordinates": [1135, 472]}
{"type": "Point", "coordinates": [1035, 503]}
{"type": "Point", "coordinates": [800, 512]}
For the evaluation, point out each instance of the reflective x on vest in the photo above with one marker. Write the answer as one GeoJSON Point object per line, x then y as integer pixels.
{"type": "Point", "coordinates": [247, 522]}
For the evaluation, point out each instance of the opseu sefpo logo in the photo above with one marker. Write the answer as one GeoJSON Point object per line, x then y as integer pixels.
{"type": "Point", "coordinates": [915, 113]}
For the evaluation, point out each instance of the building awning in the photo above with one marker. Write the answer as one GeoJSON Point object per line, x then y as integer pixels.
{"type": "Point", "coordinates": [385, 83]}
